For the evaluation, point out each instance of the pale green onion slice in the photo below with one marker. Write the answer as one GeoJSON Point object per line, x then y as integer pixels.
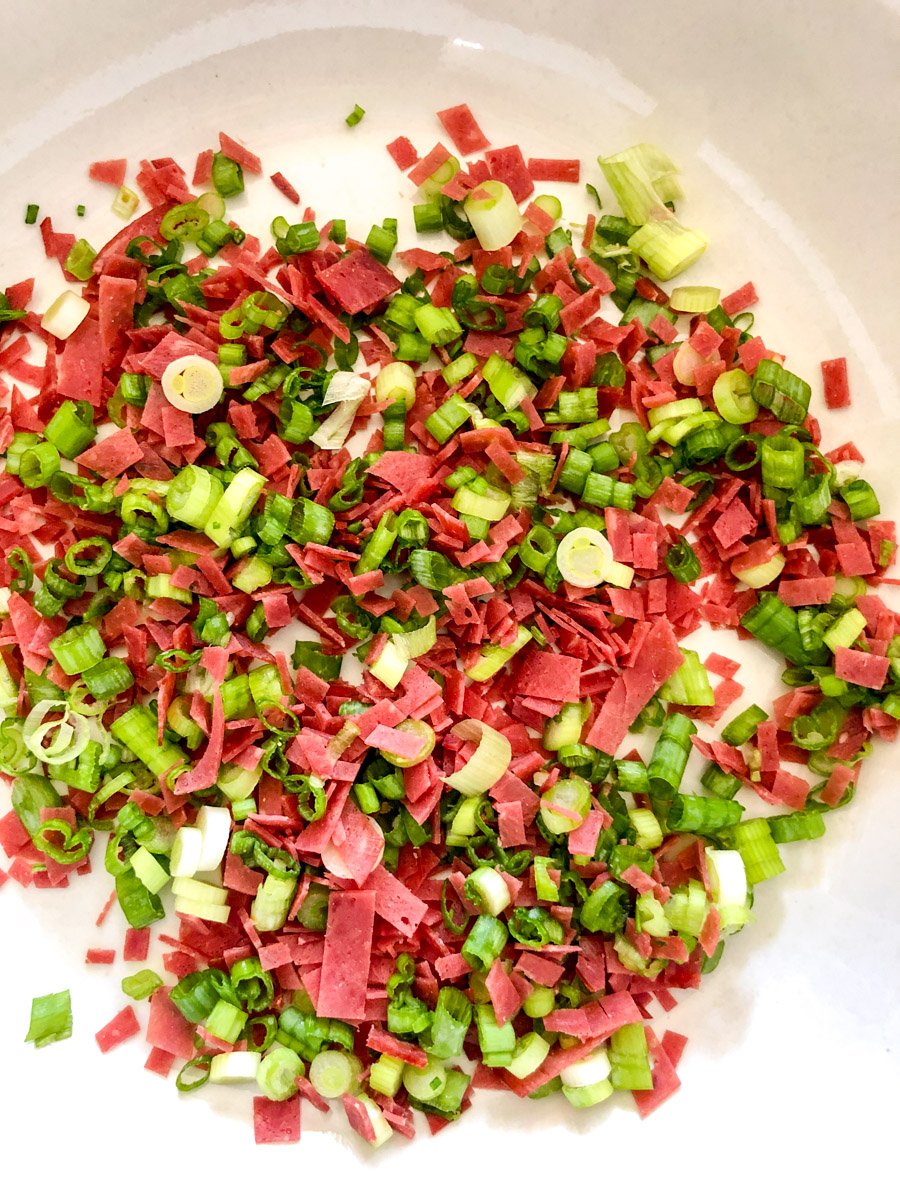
{"type": "Point", "coordinates": [694, 299]}
{"type": "Point", "coordinates": [492, 658]}
{"type": "Point", "coordinates": [642, 179]}
{"type": "Point", "coordinates": [380, 1127]}
{"type": "Point", "coordinates": [346, 391]}
{"type": "Point", "coordinates": [415, 642]}
{"type": "Point", "coordinates": [237, 503]}
{"type": "Point", "coordinates": [487, 765]}
{"type": "Point", "coordinates": [488, 890]}
{"type": "Point", "coordinates": [193, 384]}
{"type": "Point", "coordinates": [195, 889]}
{"type": "Point", "coordinates": [732, 397]}
{"type": "Point", "coordinates": [423, 731]}
{"type": "Point", "coordinates": [218, 914]}
{"type": "Point", "coordinates": [125, 203]}
{"type": "Point", "coordinates": [583, 557]}
{"type": "Point", "coordinates": [565, 805]}
{"type": "Point", "coordinates": [490, 504]}
{"type": "Point", "coordinates": [390, 665]}
{"type": "Point", "coordinates": [551, 205]}
{"type": "Point", "coordinates": [589, 1071]}
{"type": "Point", "coordinates": [565, 728]}
{"type": "Point", "coordinates": [272, 903]}
{"type": "Point", "coordinates": [334, 1073]}
{"type": "Point", "coordinates": [667, 247]}
{"type": "Point", "coordinates": [187, 850]}
{"type": "Point", "coordinates": [425, 1083]}
{"type": "Point", "coordinates": [619, 575]}
{"type": "Point", "coordinates": [675, 410]}
{"type": "Point", "coordinates": [493, 213]}
{"type": "Point", "coordinates": [65, 314]}
{"type": "Point", "coordinates": [215, 826]}
{"type": "Point", "coordinates": [58, 739]}
{"type": "Point", "coordinates": [148, 869]}
{"type": "Point", "coordinates": [728, 885]}
{"type": "Point", "coordinates": [762, 574]}
{"type": "Point", "coordinates": [212, 203]}
{"type": "Point", "coordinates": [235, 1066]}
{"type": "Point", "coordinates": [396, 381]}
{"type": "Point", "coordinates": [440, 177]}
{"type": "Point", "coordinates": [587, 1097]}
{"type": "Point", "coordinates": [529, 1054]}
{"type": "Point", "coordinates": [845, 630]}
{"type": "Point", "coordinates": [238, 783]}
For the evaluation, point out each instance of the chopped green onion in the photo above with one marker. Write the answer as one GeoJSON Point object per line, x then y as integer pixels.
{"type": "Point", "coordinates": [51, 1019]}
{"type": "Point", "coordinates": [753, 839]}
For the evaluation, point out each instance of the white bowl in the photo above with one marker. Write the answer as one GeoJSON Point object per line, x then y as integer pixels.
{"type": "Point", "coordinates": [784, 120]}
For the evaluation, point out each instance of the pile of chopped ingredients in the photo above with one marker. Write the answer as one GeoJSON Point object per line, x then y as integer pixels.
{"type": "Point", "coordinates": [411, 856]}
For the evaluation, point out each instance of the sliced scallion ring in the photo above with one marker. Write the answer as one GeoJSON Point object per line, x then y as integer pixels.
{"type": "Point", "coordinates": [584, 557]}
{"type": "Point", "coordinates": [193, 384]}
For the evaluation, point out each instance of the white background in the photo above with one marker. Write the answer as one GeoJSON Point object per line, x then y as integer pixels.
{"type": "Point", "coordinates": [784, 119]}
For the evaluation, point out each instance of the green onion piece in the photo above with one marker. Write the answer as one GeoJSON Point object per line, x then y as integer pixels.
{"type": "Point", "coordinates": [776, 625]}
{"type": "Point", "coordinates": [386, 1075]}
{"type": "Point", "coordinates": [278, 1072]}
{"type": "Point", "coordinates": [796, 827]}
{"type": "Point", "coordinates": [428, 217]}
{"type": "Point", "coordinates": [438, 325]}
{"type": "Point", "coordinates": [39, 464]}
{"type": "Point", "coordinates": [139, 905]}
{"type": "Point", "coordinates": [753, 839]}
{"type": "Point", "coordinates": [382, 241]}
{"type": "Point", "coordinates": [810, 499]}
{"type": "Point", "coordinates": [235, 506]}
{"type": "Point", "coordinates": [51, 1019]}
{"type": "Point", "coordinates": [845, 630]}
{"type": "Point", "coordinates": [682, 563]}
{"type": "Point", "coordinates": [689, 684]}
{"type": "Point", "coordinates": [667, 247]}
{"type": "Point", "coordinates": [136, 729]}
{"type": "Point", "coordinates": [702, 814]}
{"type": "Point", "coordinates": [605, 909]}
{"type": "Point", "coordinates": [272, 903]}
{"type": "Point", "coordinates": [355, 116]}
{"type": "Point", "coordinates": [648, 832]}
{"type": "Point", "coordinates": [508, 385]}
{"type": "Point", "coordinates": [334, 1073]}
{"type": "Point", "coordinates": [742, 727]}
{"type": "Point", "coordinates": [720, 783]}
{"type": "Point", "coordinates": [860, 498]}
{"type": "Point", "coordinates": [141, 985]}
{"type": "Point", "coordinates": [80, 260]}
{"type": "Point", "coordinates": [31, 213]}
{"type": "Point", "coordinates": [447, 419]}
{"type": "Point", "coordinates": [79, 648]}
{"type": "Point", "coordinates": [484, 943]}
{"type": "Point", "coordinates": [193, 495]}
{"type": "Point", "coordinates": [732, 397]}
{"type": "Point", "coordinates": [226, 1021]}
{"type": "Point", "coordinates": [784, 394]}
{"type": "Point", "coordinates": [496, 1042]}
{"type": "Point", "coordinates": [629, 1059]}
{"type": "Point", "coordinates": [453, 1017]}
{"type": "Point", "coordinates": [227, 175]}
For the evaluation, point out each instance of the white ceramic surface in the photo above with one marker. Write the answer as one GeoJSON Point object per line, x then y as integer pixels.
{"type": "Point", "coordinates": [784, 119]}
